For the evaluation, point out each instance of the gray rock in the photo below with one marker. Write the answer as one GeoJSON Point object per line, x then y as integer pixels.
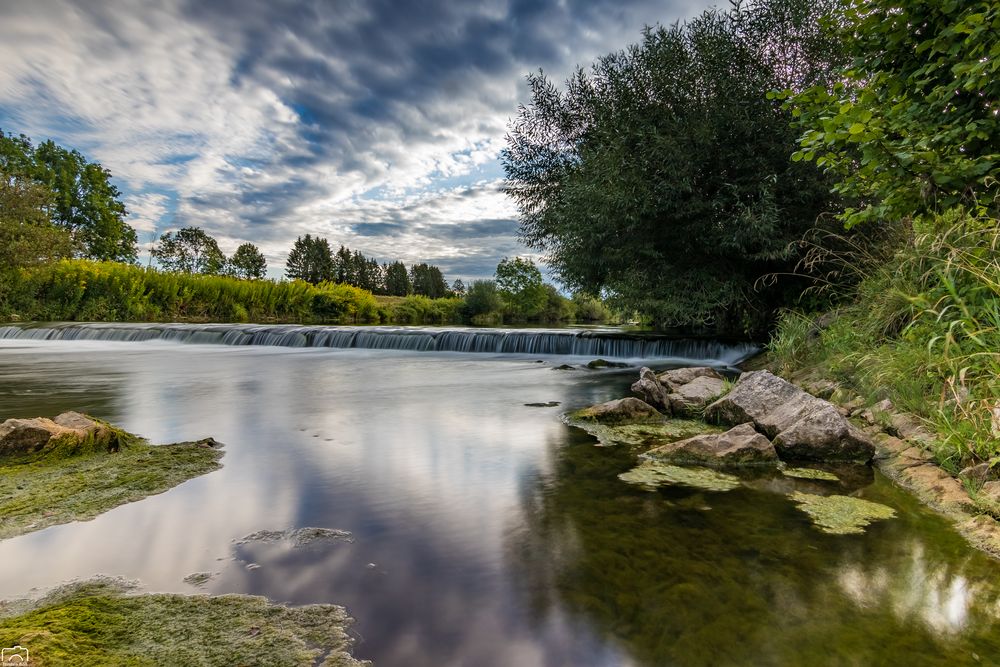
{"type": "Point", "coordinates": [801, 425]}
{"type": "Point", "coordinates": [650, 390]}
{"type": "Point", "coordinates": [696, 394]}
{"type": "Point", "coordinates": [78, 422]}
{"type": "Point", "coordinates": [27, 435]}
{"type": "Point", "coordinates": [679, 376]}
{"type": "Point", "coordinates": [741, 445]}
{"type": "Point", "coordinates": [618, 411]}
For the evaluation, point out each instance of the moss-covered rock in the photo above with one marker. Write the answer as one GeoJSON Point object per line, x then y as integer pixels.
{"type": "Point", "coordinates": [841, 515]}
{"type": "Point", "coordinates": [54, 485]}
{"type": "Point", "coordinates": [810, 473]}
{"type": "Point", "coordinates": [644, 436]}
{"type": "Point", "coordinates": [103, 622]}
{"type": "Point", "coordinates": [620, 411]}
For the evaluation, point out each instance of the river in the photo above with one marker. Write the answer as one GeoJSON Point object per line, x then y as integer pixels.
{"type": "Point", "coordinates": [486, 532]}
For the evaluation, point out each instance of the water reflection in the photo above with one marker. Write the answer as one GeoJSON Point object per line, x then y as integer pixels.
{"type": "Point", "coordinates": [486, 532]}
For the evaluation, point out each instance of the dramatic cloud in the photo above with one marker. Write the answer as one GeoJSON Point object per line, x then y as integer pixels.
{"type": "Point", "coordinates": [372, 122]}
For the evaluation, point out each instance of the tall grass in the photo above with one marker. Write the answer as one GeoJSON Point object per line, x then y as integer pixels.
{"type": "Point", "coordinates": [922, 330]}
{"type": "Point", "coordinates": [80, 290]}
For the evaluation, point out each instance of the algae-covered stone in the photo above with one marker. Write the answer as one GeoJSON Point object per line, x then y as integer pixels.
{"type": "Point", "coordinates": [841, 515]}
{"type": "Point", "coordinates": [652, 474]}
{"type": "Point", "coordinates": [619, 411]}
{"type": "Point", "coordinates": [47, 490]}
{"type": "Point", "coordinates": [198, 579]}
{"type": "Point", "coordinates": [103, 622]}
{"type": "Point", "coordinates": [298, 537]}
{"type": "Point", "coordinates": [644, 436]}
{"type": "Point", "coordinates": [810, 473]}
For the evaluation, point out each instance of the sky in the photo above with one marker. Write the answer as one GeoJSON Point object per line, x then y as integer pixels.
{"type": "Point", "coordinates": [374, 123]}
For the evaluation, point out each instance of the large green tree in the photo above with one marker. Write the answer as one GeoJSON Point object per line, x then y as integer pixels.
{"type": "Point", "coordinates": [311, 260]}
{"type": "Point", "coordinates": [428, 280]}
{"type": "Point", "coordinates": [397, 280]}
{"type": "Point", "coordinates": [189, 250]}
{"type": "Point", "coordinates": [913, 123]}
{"type": "Point", "coordinates": [84, 200]}
{"type": "Point", "coordinates": [662, 176]}
{"type": "Point", "coordinates": [27, 235]}
{"type": "Point", "coordinates": [247, 262]}
{"type": "Point", "coordinates": [519, 283]}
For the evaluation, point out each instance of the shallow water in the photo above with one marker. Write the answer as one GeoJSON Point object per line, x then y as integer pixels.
{"type": "Point", "coordinates": [485, 532]}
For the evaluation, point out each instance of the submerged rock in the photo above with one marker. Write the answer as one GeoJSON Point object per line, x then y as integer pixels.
{"type": "Point", "coordinates": [650, 389]}
{"type": "Point", "coordinates": [198, 579]}
{"type": "Point", "coordinates": [644, 435]}
{"type": "Point", "coordinates": [841, 515]}
{"type": "Point", "coordinates": [618, 411]}
{"type": "Point", "coordinates": [549, 404]}
{"type": "Point", "coordinates": [810, 473]}
{"type": "Point", "coordinates": [800, 425]}
{"type": "Point", "coordinates": [298, 537]}
{"type": "Point", "coordinates": [741, 445]}
{"type": "Point", "coordinates": [604, 363]}
{"type": "Point", "coordinates": [652, 474]}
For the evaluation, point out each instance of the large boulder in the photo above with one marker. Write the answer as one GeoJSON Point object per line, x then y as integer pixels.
{"type": "Point", "coordinates": [648, 387]}
{"type": "Point", "coordinates": [738, 446]}
{"type": "Point", "coordinates": [619, 411]}
{"type": "Point", "coordinates": [680, 376]}
{"type": "Point", "coordinates": [801, 425]}
{"type": "Point", "coordinates": [70, 430]}
{"type": "Point", "coordinates": [693, 396]}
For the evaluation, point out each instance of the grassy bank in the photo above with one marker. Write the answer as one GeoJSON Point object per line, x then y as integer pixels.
{"type": "Point", "coordinates": [86, 291]}
{"type": "Point", "coordinates": [923, 330]}
{"type": "Point", "coordinates": [103, 622]}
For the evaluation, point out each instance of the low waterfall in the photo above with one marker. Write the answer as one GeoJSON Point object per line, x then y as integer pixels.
{"type": "Point", "coordinates": [605, 343]}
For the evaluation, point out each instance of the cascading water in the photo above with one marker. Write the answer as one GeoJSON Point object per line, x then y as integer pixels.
{"type": "Point", "coordinates": [604, 343]}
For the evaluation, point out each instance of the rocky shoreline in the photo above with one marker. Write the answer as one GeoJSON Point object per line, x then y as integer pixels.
{"type": "Point", "coordinates": [692, 419]}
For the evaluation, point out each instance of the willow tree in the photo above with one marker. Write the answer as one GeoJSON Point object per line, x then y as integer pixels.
{"type": "Point", "coordinates": [661, 177]}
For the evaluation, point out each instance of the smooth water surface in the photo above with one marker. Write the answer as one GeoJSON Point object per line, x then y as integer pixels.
{"type": "Point", "coordinates": [486, 532]}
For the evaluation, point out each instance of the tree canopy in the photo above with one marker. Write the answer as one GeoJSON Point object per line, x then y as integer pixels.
{"type": "Point", "coordinates": [911, 126]}
{"type": "Point", "coordinates": [310, 259]}
{"type": "Point", "coordinates": [247, 262]}
{"type": "Point", "coordinates": [189, 250]}
{"type": "Point", "coordinates": [84, 200]}
{"type": "Point", "coordinates": [519, 283]}
{"type": "Point", "coordinates": [662, 176]}
{"type": "Point", "coordinates": [27, 235]}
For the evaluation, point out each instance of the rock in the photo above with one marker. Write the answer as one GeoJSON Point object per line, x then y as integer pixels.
{"type": "Point", "coordinates": [824, 435]}
{"type": "Point", "coordinates": [800, 425]}
{"type": "Point", "coordinates": [854, 404]}
{"type": "Point", "coordinates": [991, 492]}
{"type": "Point", "coordinates": [678, 376]}
{"type": "Point", "coordinates": [649, 388]}
{"type": "Point", "coordinates": [841, 515]}
{"type": "Point", "coordinates": [935, 485]}
{"type": "Point", "coordinates": [79, 422]}
{"type": "Point", "coordinates": [618, 411]}
{"type": "Point", "coordinates": [820, 388]}
{"type": "Point", "coordinates": [696, 394]}
{"type": "Point", "coordinates": [738, 446]}
{"type": "Point", "coordinates": [977, 474]}
{"type": "Point", "coordinates": [911, 428]}
{"type": "Point", "coordinates": [549, 404]}
{"type": "Point", "coordinates": [604, 363]}
{"type": "Point", "coordinates": [21, 436]}
{"type": "Point", "coordinates": [564, 367]}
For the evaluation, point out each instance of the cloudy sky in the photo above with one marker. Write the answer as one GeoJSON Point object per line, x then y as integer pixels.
{"type": "Point", "coordinates": [375, 123]}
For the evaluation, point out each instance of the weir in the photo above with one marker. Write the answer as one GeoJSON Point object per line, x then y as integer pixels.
{"type": "Point", "coordinates": [605, 343]}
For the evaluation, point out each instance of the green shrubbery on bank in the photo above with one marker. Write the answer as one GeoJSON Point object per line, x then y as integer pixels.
{"type": "Point", "coordinates": [83, 290]}
{"type": "Point", "coordinates": [923, 331]}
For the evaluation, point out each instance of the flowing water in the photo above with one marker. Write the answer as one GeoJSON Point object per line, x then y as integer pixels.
{"type": "Point", "coordinates": [486, 532]}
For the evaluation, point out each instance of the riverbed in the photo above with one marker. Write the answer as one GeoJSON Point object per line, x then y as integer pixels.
{"type": "Point", "coordinates": [485, 531]}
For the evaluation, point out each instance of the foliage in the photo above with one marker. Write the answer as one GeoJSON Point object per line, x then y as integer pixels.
{"type": "Point", "coordinates": [519, 283]}
{"type": "Point", "coordinates": [247, 263]}
{"type": "Point", "coordinates": [84, 202]}
{"type": "Point", "coordinates": [311, 260]}
{"type": "Point", "coordinates": [428, 281]}
{"type": "Point", "coordinates": [924, 331]}
{"type": "Point", "coordinates": [419, 309]}
{"type": "Point", "coordinates": [397, 280]}
{"type": "Point", "coordinates": [27, 236]}
{"type": "Point", "coordinates": [80, 290]}
{"type": "Point", "coordinates": [189, 250]}
{"type": "Point", "coordinates": [912, 125]}
{"type": "Point", "coordinates": [590, 309]}
{"type": "Point", "coordinates": [482, 301]}
{"type": "Point", "coordinates": [662, 177]}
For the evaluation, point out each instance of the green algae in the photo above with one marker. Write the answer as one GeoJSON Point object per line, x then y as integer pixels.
{"type": "Point", "coordinates": [104, 622]}
{"type": "Point", "coordinates": [644, 435]}
{"type": "Point", "coordinates": [44, 490]}
{"type": "Point", "coordinates": [810, 473]}
{"type": "Point", "coordinates": [651, 475]}
{"type": "Point", "coordinates": [841, 515]}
